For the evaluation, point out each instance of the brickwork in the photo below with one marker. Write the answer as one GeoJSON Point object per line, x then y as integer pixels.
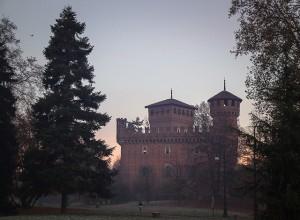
{"type": "Point", "coordinates": [170, 143]}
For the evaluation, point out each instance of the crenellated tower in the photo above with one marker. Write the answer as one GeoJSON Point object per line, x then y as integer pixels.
{"type": "Point", "coordinates": [225, 110]}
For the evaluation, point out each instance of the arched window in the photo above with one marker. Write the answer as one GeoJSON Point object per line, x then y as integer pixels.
{"type": "Point", "coordinates": [145, 171]}
{"type": "Point", "coordinates": [144, 150]}
{"type": "Point", "coordinates": [225, 102]}
{"type": "Point", "coordinates": [168, 170]}
{"type": "Point", "coordinates": [167, 149]}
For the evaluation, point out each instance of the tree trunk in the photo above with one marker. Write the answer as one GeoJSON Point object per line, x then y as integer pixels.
{"type": "Point", "coordinates": [64, 202]}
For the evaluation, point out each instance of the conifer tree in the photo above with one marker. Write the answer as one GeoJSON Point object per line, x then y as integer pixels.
{"type": "Point", "coordinates": [8, 144]}
{"type": "Point", "coordinates": [66, 118]}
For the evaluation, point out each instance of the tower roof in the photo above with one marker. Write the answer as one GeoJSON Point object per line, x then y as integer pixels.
{"type": "Point", "coordinates": [225, 95]}
{"type": "Point", "coordinates": [171, 101]}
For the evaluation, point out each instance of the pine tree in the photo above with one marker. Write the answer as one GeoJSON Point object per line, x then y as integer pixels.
{"type": "Point", "coordinates": [66, 118]}
{"type": "Point", "coordinates": [8, 144]}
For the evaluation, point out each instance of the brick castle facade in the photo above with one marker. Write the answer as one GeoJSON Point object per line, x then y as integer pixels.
{"type": "Point", "coordinates": [171, 143]}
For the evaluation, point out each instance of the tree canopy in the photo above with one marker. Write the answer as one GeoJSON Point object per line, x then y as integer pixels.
{"type": "Point", "coordinates": [269, 33]}
{"type": "Point", "coordinates": [70, 158]}
{"type": "Point", "coordinates": [8, 143]}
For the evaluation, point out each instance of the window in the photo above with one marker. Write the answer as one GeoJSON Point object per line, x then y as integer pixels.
{"type": "Point", "coordinates": [169, 170]}
{"type": "Point", "coordinates": [144, 149]}
{"type": "Point", "coordinates": [232, 102]}
{"type": "Point", "coordinates": [185, 130]}
{"type": "Point", "coordinates": [145, 171]}
{"type": "Point", "coordinates": [225, 102]}
{"type": "Point", "coordinates": [178, 130]}
{"type": "Point", "coordinates": [167, 149]}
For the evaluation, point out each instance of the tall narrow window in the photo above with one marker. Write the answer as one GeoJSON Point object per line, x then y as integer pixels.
{"type": "Point", "coordinates": [144, 149]}
{"type": "Point", "coordinates": [225, 102]}
{"type": "Point", "coordinates": [169, 170]}
{"type": "Point", "coordinates": [167, 149]}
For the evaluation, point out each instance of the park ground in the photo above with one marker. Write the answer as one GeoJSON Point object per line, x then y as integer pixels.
{"type": "Point", "coordinates": [126, 211]}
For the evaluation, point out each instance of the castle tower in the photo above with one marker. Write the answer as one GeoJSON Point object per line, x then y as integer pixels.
{"type": "Point", "coordinates": [150, 159]}
{"type": "Point", "coordinates": [225, 110]}
{"type": "Point", "coordinates": [170, 116]}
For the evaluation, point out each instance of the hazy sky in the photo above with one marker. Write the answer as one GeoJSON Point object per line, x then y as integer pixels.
{"type": "Point", "coordinates": [143, 48]}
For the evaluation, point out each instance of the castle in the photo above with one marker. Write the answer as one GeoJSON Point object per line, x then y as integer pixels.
{"type": "Point", "coordinates": [171, 144]}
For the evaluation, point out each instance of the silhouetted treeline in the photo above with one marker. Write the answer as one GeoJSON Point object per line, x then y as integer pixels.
{"type": "Point", "coordinates": [269, 34]}
{"type": "Point", "coordinates": [48, 119]}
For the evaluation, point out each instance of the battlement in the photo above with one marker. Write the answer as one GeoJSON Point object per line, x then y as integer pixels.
{"type": "Point", "coordinates": [127, 133]}
{"type": "Point", "coordinates": [171, 139]}
{"type": "Point", "coordinates": [225, 108]}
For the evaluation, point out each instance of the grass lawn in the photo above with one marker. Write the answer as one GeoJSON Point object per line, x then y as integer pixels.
{"type": "Point", "coordinates": [124, 212]}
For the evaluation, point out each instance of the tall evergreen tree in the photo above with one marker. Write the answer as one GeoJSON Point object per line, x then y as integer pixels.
{"type": "Point", "coordinates": [8, 144]}
{"type": "Point", "coordinates": [269, 32]}
{"type": "Point", "coordinates": [66, 118]}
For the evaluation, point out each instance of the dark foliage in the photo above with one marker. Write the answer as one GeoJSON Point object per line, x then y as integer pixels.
{"type": "Point", "coordinates": [8, 144]}
{"type": "Point", "coordinates": [270, 33]}
{"type": "Point", "coordinates": [67, 157]}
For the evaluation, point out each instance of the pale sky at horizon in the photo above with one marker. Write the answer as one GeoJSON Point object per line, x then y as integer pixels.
{"type": "Point", "coordinates": [143, 48]}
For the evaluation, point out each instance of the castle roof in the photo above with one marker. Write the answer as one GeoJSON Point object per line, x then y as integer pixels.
{"type": "Point", "coordinates": [171, 101]}
{"type": "Point", "coordinates": [225, 95]}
